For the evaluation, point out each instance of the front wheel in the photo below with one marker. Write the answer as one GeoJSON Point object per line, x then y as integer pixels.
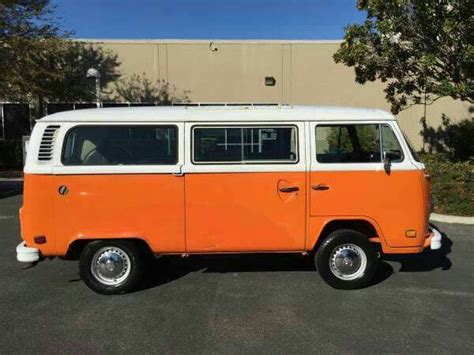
{"type": "Point", "coordinates": [346, 260]}
{"type": "Point", "coordinates": [111, 267]}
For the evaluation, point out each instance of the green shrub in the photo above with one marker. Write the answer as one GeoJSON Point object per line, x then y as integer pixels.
{"type": "Point", "coordinates": [452, 184]}
{"type": "Point", "coordinates": [11, 154]}
{"type": "Point", "coordinates": [455, 140]}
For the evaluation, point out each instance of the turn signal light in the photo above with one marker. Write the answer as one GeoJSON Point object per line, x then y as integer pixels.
{"type": "Point", "coordinates": [410, 233]}
{"type": "Point", "coordinates": [40, 239]}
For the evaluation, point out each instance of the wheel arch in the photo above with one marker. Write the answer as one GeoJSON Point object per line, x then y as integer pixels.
{"type": "Point", "coordinates": [362, 225]}
{"type": "Point", "coordinates": [76, 247]}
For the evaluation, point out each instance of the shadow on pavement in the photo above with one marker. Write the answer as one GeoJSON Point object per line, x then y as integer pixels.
{"type": "Point", "coordinates": [427, 260]}
{"type": "Point", "coordinates": [170, 268]}
{"type": "Point", "coordinates": [9, 188]}
{"type": "Point", "coordinates": [384, 271]}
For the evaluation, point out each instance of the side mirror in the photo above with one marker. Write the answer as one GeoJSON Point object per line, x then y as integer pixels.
{"type": "Point", "coordinates": [388, 157]}
{"type": "Point", "coordinates": [386, 162]}
{"type": "Point", "coordinates": [393, 155]}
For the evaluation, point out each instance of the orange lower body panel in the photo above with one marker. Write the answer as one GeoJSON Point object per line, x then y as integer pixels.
{"type": "Point", "coordinates": [223, 212]}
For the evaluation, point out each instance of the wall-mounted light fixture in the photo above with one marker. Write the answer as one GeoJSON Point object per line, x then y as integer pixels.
{"type": "Point", "coordinates": [213, 47]}
{"type": "Point", "coordinates": [270, 81]}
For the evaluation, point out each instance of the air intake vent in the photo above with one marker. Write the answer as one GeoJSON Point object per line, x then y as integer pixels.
{"type": "Point", "coordinates": [47, 143]}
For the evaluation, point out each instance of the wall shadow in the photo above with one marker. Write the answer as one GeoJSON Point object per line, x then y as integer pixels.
{"type": "Point", "coordinates": [9, 188]}
{"type": "Point", "coordinates": [455, 139]}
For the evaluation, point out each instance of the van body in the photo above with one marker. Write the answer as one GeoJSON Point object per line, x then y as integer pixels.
{"type": "Point", "coordinates": [108, 186]}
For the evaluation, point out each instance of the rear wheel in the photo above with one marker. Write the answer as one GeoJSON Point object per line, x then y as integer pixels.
{"type": "Point", "coordinates": [346, 260]}
{"type": "Point", "coordinates": [111, 267]}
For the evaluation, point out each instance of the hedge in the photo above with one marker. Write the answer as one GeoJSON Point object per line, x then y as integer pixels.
{"type": "Point", "coordinates": [452, 184]}
{"type": "Point", "coordinates": [11, 154]}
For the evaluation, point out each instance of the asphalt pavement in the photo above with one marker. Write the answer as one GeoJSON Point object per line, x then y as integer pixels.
{"type": "Point", "coordinates": [238, 304]}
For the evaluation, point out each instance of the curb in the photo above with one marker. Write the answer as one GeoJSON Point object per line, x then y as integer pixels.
{"type": "Point", "coordinates": [451, 219]}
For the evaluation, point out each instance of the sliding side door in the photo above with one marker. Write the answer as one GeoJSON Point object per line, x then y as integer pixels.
{"type": "Point", "coordinates": [245, 187]}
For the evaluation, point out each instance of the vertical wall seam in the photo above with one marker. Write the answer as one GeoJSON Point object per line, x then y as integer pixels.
{"type": "Point", "coordinates": [283, 81]}
{"type": "Point", "coordinates": [290, 74]}
{"type": "Point", "coordinates": [157, 61]}
{"type": "Point", "coordinates": [166, 59]}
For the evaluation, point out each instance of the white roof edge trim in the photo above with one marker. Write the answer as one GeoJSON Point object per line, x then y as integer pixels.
{"type": "Point", "coordinates": [219, 114]}
{"type": "Point", "coordinates": [223, 41]}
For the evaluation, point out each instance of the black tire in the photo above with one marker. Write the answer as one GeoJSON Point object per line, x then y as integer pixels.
{"type": "Point", "coordinates": [130, 261]}
{"type": "Point", "coordinates": [331, 256]}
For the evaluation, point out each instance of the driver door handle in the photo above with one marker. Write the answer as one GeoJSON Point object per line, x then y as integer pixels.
{"type": "Point", "coordinates": [320, 187]}
{"type": "Point", "coordinates": [289, 189]}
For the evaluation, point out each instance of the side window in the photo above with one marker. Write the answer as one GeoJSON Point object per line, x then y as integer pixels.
{"type": "Point", "coordinates": [390, 145]}
{"type": "Point", "coordinates": [348, 143]}
{"type": "Point", "coordinates": [240, 145]}
{"type": "Point", "coordinates": [120, 145]}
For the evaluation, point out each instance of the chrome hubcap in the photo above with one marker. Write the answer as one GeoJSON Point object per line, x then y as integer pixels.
{"type": "Point", "coordinates": [348, 262]}
{"type": "Point", "coordinates": [110, 266]}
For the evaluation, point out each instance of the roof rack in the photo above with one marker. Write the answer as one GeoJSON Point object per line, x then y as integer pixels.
{"type": "Point", "coordinates": [226, 104]}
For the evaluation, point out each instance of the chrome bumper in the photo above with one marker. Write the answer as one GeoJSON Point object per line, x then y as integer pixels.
{"type": "Point", "coordinates": [26, 254]}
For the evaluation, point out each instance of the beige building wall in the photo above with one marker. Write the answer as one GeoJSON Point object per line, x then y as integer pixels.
{"type": "Point", "coordinates": [235, 71]}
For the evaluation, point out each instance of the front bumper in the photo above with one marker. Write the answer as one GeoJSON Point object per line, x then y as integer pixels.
{"type": "Point", "coordinates": [26, 254]}
{"type": "Point", "coordinates": [434, 240]}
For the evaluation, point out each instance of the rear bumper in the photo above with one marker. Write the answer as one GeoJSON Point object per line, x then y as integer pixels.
{"type": "Point", "coordinates": [26, 254]}
{"type": "Point", "coordinates": [434, 240]}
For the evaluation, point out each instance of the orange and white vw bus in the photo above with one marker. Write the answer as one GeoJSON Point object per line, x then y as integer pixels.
{"type": "Point", "coordinates": [110, 187]}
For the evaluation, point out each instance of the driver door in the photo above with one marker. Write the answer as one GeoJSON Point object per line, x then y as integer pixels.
{"type": "Point", "coordinates": [350, 180]}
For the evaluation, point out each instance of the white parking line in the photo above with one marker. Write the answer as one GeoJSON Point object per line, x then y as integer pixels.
{"type": "Point", "coordinates": [7, 217]}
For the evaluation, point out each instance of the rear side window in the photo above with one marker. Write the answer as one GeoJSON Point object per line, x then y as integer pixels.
{"type": "Point", "coordinates": [391, 145]}
{"type": "Point", "coordinates": [348, 143]}
{"type": "Point", "coordinates": [121, 145]}
{"type": "Point", "coordinates": [241, 145]}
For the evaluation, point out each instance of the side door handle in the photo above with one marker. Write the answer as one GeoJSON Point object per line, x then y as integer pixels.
{"type": "Point", "coordinates": [289, 189]}
{"type": "Point", "coordinates": [180, 172]}
{"type": "Point", "coordinates": [320, 187]}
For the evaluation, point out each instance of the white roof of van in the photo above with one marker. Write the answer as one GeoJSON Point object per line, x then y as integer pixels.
{"type": "Point", "coordinates": [219, 114]}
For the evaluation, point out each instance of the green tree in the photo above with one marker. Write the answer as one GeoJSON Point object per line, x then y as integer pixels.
{"type": "Point", "coordinates": [40, 63]}
{"type": "Point", "coordinates": [27, 19]}
{"type": "Point", "coordinates": [138, 88]}
{"type": "Point", "coordinates": [75, 60]}
{"type": "Point", "coordinates": [422, 49]}
{"type": "Point", "coordinates": [22, 24]}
